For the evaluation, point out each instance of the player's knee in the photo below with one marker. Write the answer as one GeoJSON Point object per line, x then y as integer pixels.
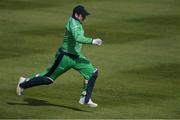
{"type": "Point", "coordinates": [47, 81]}
{"type": "Point", "coordinates": [94, 74]}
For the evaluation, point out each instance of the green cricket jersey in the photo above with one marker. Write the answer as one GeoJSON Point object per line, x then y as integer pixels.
{"type": "Point", "coordinates": [74, 37]}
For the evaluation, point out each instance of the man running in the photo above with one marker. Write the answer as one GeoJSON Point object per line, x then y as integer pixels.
{"type": "Point", "coordinates": [69, 56]}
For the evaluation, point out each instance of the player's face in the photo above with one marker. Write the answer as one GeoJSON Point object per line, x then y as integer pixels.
{"type": "Point", "coordinates": [80, 17]}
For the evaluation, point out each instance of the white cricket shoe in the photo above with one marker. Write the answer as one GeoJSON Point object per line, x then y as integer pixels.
{"type": "Point", "coordinates": [90, 103]}
{"type": "Point", "coordinates": [19, 90]}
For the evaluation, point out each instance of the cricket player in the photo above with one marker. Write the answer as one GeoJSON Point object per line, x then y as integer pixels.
{"type": "Point", "coordinates": [69, 56]}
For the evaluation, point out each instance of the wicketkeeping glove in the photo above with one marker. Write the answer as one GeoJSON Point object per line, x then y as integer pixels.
{"type": "Point", "coordinates": [97, 41]}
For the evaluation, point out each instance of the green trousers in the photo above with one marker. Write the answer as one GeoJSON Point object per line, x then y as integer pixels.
{"type": "Point", "coordinates": [65, 61]}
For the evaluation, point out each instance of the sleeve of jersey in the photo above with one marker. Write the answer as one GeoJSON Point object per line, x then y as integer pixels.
{"type": "Point", "coordinates": [79, 35]}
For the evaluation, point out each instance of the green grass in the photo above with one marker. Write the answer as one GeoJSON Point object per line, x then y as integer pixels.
{"type": "Point", "coordinates": [139, 61]}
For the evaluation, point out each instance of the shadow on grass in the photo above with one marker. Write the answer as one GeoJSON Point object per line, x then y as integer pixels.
{"type": "Point", "coordinates": [36, 102]}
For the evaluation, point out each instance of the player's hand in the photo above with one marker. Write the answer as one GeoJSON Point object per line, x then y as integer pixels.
{"type": "Point", "coordinates": [97, 41]}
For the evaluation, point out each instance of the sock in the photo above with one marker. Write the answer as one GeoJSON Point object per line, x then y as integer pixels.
{"type": "Point", "coordinates": [84, 89]}
{"type": "Point", "coordinates": [36, 81]}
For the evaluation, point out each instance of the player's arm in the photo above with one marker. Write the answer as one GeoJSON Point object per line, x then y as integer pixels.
{"type": "Point", "coordinates": [78, 34]}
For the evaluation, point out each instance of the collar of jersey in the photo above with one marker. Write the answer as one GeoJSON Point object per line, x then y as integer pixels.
{"type": "Point", "coordinates": [76, 19]}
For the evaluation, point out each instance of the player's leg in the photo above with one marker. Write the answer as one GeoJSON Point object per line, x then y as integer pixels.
{"type": "Point", "coordinates": [61, 65]}
{"type": "Point", "coordinates": [90, 74]}
{"type": "Point", "coordinates": [36, 80]}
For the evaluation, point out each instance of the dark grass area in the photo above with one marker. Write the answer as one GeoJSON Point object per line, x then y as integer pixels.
{"type": "Point", "coordinates": [139, 61]}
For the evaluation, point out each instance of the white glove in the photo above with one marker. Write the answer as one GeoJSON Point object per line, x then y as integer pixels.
{"type": "Point", "coordinates": [97, 41]}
